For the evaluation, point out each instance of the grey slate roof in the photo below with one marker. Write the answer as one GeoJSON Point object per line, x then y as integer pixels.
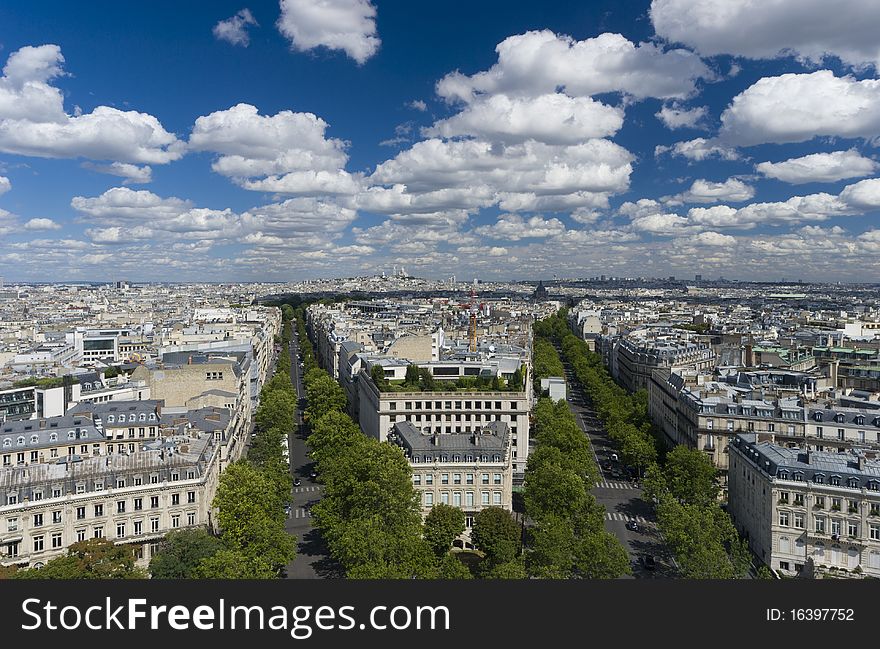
{"type": "Point", "coordinates": [492, 440]}
{"type": "Point", "coordinates": [787, 463]}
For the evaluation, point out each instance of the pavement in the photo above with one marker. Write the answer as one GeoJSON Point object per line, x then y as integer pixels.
{"type": "Point", "coordinates": [623, 499]}
{"type": "Point", "coordinates": [312, 559]}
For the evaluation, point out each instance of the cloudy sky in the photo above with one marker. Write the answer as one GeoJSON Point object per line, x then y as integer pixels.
{"type": "Point", "coordinates": [498, 139]}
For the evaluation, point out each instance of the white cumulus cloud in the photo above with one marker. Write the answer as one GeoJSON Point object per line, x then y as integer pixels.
{"type": "Point", "coordinates": [819, 167]}
{"type": "Point", "coordinates": [346, 25]}
{"type": "Point", "coordinates": [234, 30]}
{"type": "Point", "coordinates": [759, 29]}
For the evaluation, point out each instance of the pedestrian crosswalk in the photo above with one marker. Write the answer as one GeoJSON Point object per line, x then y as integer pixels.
{"type": "Point", "coordinates": [299, 490]}
{"type": "Point", "coordinates": [605, 484]}
{"type": "Point", "coordinates": [301, 512]}
{"type": "Point", "coordinates": [617, 516]}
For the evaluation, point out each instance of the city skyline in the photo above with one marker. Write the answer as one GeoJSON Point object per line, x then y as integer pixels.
{"type": "Point", "coordinates": [272, 142]}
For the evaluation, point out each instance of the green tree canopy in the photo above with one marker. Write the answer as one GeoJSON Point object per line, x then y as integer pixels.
{"type": "Point", "coordinates": [181, 551]}
{"type": "Point", "coordinates": [496, 534]}
{"type": "Point", "coordinates": [443, 525]}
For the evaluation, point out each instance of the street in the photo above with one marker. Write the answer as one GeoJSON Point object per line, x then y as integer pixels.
{"type": "Point", "coordinates": [621, 497]}
{"type": "Point", "coordinates": [312, 560]}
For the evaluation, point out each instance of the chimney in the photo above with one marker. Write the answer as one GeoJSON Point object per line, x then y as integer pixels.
{"type": "Point", "coordinates": [435, 440]}
{"type": "Point", "coordinates": [189, 361]}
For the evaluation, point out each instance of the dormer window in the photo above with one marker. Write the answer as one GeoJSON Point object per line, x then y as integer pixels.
{"type": "Point", "coordinates": [798, 476]}
{"type": "Point", "coordinates": [852, 483]}
{"type": "Point", "coordinates": [142, 417]}
{"type": "Point", "coordinates": [783, 475]}
{"type": "Point", "coordinates": [152, 416]}
{"type": "Point", "coordinates": [817, 416]}
{"type": "Point", "coordinates": [110, 419]}
{"type": "Point", "coordinates": [53, 437]}
{"type": "Point", "coordinates": [834, 481]}
{"type": "Point", "coordinates": [819, 478]}
{"type": "Point", "coordinates": [860, 420]}
{"type": "Point", "coordinates": [71, 435]}
{"type": "Point", "coordinates": [874, 485]}
{"type": "Point", "coordinates": [20, 441]}
{"type": "Point", "coordinates": [132, 417]}
{"type": "Point", "coordinates": [34, 439]}
{"type": "Point", "coordinates": [839, 418]}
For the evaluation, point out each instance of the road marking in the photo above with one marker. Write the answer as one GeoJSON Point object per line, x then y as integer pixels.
{"type": "Point", "coordinates": [299, 512]}
{"type": "Point", "coordinates": [605, 484]}
{"type": "Point", "coordinates": [617, 516]}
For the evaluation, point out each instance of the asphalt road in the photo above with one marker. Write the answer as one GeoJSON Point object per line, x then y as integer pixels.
{"type": "Point", "coordinates": [312, 560]}
{"type": "Point", "coordinates": [621, 498]}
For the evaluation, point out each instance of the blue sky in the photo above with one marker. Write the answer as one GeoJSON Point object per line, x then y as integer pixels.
{"type": "Point", "coordinates": [283, 140]}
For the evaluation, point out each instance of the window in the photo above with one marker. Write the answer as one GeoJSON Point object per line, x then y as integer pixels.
{"type": "Point", "coordinates": [444, 497]}
{"type": "Point", "coordinates": [799, 521]}
{"type": "Point", "coordinates": [799, 499]}
{"type": "Point", "coordinates": [417, 478]}
{"type": "Point", "coordinates": [783, 519]}
{"type": "Point", "coordinates": [99, 486]}
{"type": "Point", "coordinates": [835, 527]}
{"type": "Point", "coordinates": [190, 496]}
{"type": "Point", "coordinates": [154, 525]}
{"type": "Point", "coordinates": [11, 524]}
{"type": "Point", "coordinates": [99, 510]}
{"type": "Point", "coordinates": [496, 498]}
{"type": "Point", "coordinates": [484, 497]}
{"type": "Point", "coordinates": [840, 433]}
{"type": "Point", "coordinates": [80, 513]}
{"type": "Point", "coordinates": [120, 483]}
{"type": "Point", "coordinates": [38, 543]}
{"type": "Point", "coordinates": [484, 478]}
{"type": "Point", "coordinates": [820, 524]}
{"type": "Point", "coordinates": [56, 540]}
{"type": "Point", "coordinates": [56, 517]}
{"type": "Point", "coordinates": [175, 499]}
{"type": "Point", "coordinates": [191, 518]}
{"type": "Point", "coordinates": [444, 478]}
{"type": "Point", "coordinates": [154, 502]}
{"type": "Point", "coordinates": [429, 478]}
{"type": "Point", "coordinates": [469, 499]}
{"type": "Point", "coordinates": [138, 504]}
{"type": "Point", "coordinates": [456, 478]}
{"type": "Point", "coordinates": [497, 478]}
{"type": "Point", "coordinates": [819, 433]}
{"type": "Point", "coordinates": [120, 530]}
{"type": "Point", "coordinates": [874, 531]}
{"type": "Point", "coordinates": [456, 499]}
{"type": "Point", "coordinates": [175, 520]}
{"type": "Point", "coordinates": [81, 534]}
{"type": "Point", "coordinates": [38, 520]}
{"type": "Point", "coordinates": [469, 478]}
{"type": "Point", "coordinates": [429, 499]}
{"type": "Point", "coordinates": [852, 528]}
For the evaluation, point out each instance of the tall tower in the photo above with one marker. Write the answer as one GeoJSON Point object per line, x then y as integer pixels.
{"type": "Point", "coordinates": [472, 328]}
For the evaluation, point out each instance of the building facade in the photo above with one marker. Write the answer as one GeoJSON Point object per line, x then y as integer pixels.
{"type": "Point", "coordinates": [806, 512]}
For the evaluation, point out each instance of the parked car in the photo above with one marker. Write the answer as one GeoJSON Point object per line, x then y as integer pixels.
{"type": "Point", "coordinates": [614, 457]}
{"type": "Point", "coordinates": [632, 525]}
{"type": "Point", "coordinates": [649, 561]}
{"type": "Point", "coordinates": [297, 482]}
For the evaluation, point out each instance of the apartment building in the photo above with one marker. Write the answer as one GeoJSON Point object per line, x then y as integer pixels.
{"type": "Point", "coordinates": [446, 413]}
{"type": "Point", "coordinates": [471, 471]}
{"type": "Point", "coordinates": [132, 499]}
{"type": "Point", "coordinates": [701, 413]}
{"type": "Point", "coordinates": [805, 512]}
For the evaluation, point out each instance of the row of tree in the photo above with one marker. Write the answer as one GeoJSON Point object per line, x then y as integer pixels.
{"type": "Point", "coordinates": [690, 517]}
{"type": "Point", "coordinates": [545, 361]}
{"type": "Point", "coordinates": [682, 484]}
{"type": "Point", "coordinates": [568, 539]}
{"type": "Point", "coordinates": [250, 499]}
